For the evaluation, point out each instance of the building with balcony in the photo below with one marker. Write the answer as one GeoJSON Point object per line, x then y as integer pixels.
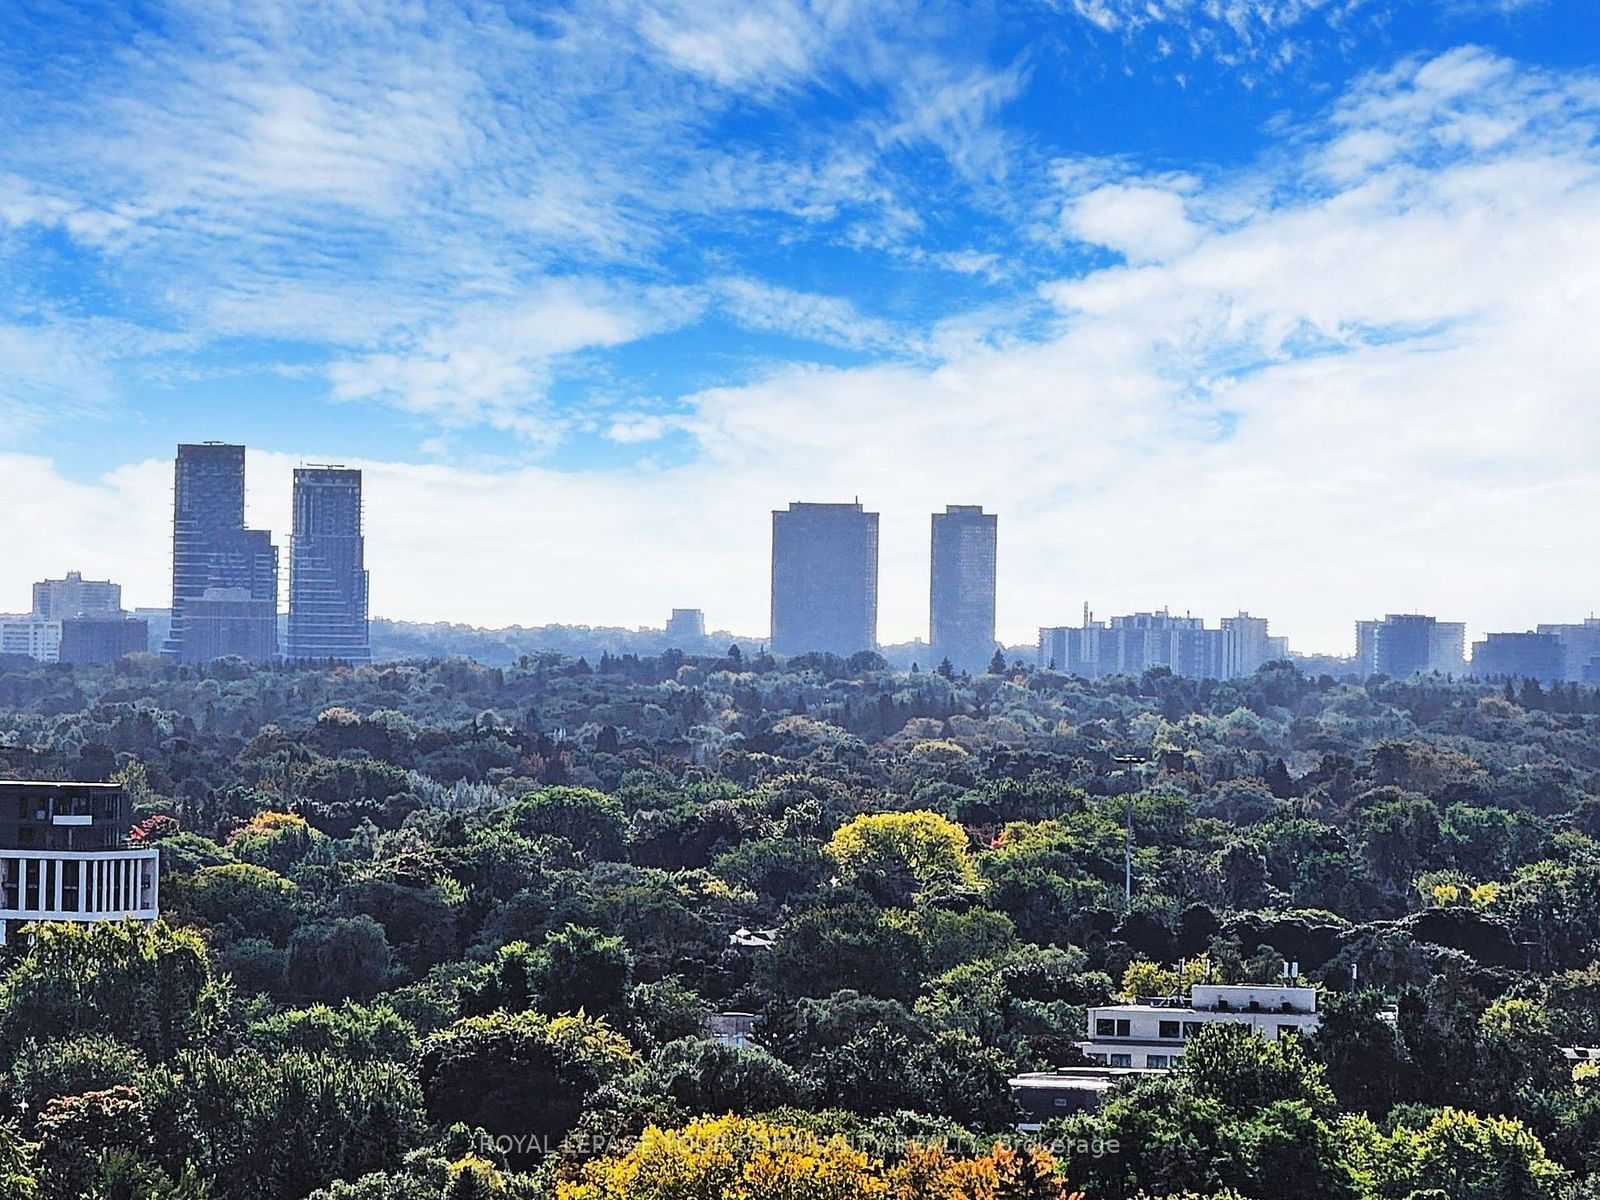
{"type": "Point", "coordinates": [1151, 1034]}
{"type": "Point", "coordinates": [64, 856]}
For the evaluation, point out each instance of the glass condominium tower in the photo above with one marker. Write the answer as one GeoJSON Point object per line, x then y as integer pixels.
{"type": "Point", "coordinates": [824, 579]}
{"type": "Point", "coordinates": [327, 568]}
{"type": "Point", "coordinates": [211, 548]}
{"type": "Point", "coordinates": [961, 601]}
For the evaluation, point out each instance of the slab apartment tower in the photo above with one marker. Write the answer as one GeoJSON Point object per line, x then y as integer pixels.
{"type": "Point", "coordinates": [328, 568]}
{"type": "Point", "coordinates": [213, 551]}
{"type": "Point", "coordinates": [824, 579]}
{"type": "Point", "coordinates": [961, 601]}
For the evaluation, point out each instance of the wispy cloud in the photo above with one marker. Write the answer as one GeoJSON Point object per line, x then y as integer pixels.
{"type": "Point", "coordinates": [1157, 365]}
{"type": "Point", "coordinates": [357, 177]}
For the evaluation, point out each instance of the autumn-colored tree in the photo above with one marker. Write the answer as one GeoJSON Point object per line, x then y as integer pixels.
{"type": "Point", "coordinates": [730, 1158]}
{"type": "Point", "coordinates": [903, 857]}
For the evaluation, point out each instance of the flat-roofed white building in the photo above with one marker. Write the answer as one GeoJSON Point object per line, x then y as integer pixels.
{"type": "Point", "coordinates": [1152, 1033]}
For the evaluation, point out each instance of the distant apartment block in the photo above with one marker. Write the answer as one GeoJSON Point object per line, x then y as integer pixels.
{"type": "Point", "coordinates": [687, 626]}
{"type": "Point", "coordinates": [212, 549]}
{"type": "Point", "coordinates": [1151, 1033]}
{"type": "Point", "coordinates": [75, 596]}
{"type": "Point", "coordinates": [962, 587]}
{"type": "Point", "coordinates": [1137, 642]}
{"type": "Point", "coordinates": [1406, 644]}
{"type": "Point", "coordinates": [94, 641]}
{"type": "Point", "coordinates": [30, 636]}
{"type": "Point", "coordinates": [1580, 649]}
{"type": "Point", "coordinates": [327, 568]}
{"type": "Point", "coordinates": [223, 622]}
{"type": "Point", "coordinates": [1247, 646]}
{"type": "Point", "coordinates": [1538, 656]}
{"type": "Point", "coordinates": [64, 856]}
{"type": "Point", "coordinates": [824, 579]}
{"type": "Point", "coordinates": [159, 622]}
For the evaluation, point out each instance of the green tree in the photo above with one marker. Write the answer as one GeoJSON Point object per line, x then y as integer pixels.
{"type": "Point", "coordinates": [591, 822]}
{"type": "Point", "coordinates": [144, 983]}
{"type": "Point", "coordinates": [1461, 1156]}
{"type": "Point", "coordinates": [704, 1076]}
{"type": "Point", "coordinates": [1230, 1063]}
{"type": "Point", "coordinates": [339, 958]}
{"type": "Point", "coordinates": [521, 1074]}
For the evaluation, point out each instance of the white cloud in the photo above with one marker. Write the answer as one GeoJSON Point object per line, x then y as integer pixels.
{"type": "Point", "coordinates": [1355, 377]}
{"type": "Point", "coordinates": [635, 428]}
{"type": "Point", "coordinates": [830, 320]}
{"type": "Point", "coordinates": [492, 363]}
{"type": "Point", "coordinates": [1143, 224]}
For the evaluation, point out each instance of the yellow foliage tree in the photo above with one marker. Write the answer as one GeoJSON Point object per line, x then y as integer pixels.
{"type": "Point", "coordinates": [902, 856]}
{"type": "Point", "coordinates": [732, 1158]}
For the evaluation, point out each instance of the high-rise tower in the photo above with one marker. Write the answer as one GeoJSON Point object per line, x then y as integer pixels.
{"type": "Point", "coordinates": [824, 579]}
{"type": "Point", "coordinates": [211, 548]}
{"type": "Point", "coordinates": [327, 568]}
{"type": "Point", "coordinates": [961, 601]}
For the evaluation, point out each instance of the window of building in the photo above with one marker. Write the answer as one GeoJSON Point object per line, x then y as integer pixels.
{"type": "Point", "coordinates": [1159, 1062]}
{"type": "Point", "coordinates": [1105, 1027]}
{"type": "Point", "coordinates": [1124, 1028]}
{"type": "Point", "coordinates": [1190, 1028]}
{"type": "Point", "coordinates": [1122, 1060]}
{"type": "Point", "coordinates": [1095, 1058]}
{"type": "Point", "coordinates": [1167, 1029]}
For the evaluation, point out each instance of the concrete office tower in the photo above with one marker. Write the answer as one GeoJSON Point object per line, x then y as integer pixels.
{"type": "Point", "coordinates": [961, 599]}
{"type": "Point", "coordinates": [328, 568]}
{"type": "Point", "coordinates": [686, 625]}
{"type": "Point", "coordinates": [211, 548]}
{"type": "Point", "coordinates": [64, 856]}
{"type": "Point", "coordinates": [75, 596]}
{"type": "Point", "coordinates": [824, 579]}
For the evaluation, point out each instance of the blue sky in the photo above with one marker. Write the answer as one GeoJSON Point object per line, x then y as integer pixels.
{"type": "Point", "coordinates": [1276, 304]}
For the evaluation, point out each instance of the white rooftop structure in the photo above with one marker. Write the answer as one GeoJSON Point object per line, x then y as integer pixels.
{"type": "Point", "coordinates": [1152, 1033]}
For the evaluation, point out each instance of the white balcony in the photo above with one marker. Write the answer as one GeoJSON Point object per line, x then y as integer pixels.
{"type": "Point", "coordinates": [78, 885]}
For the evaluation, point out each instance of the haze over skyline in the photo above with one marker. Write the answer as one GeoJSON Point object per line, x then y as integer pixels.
{"type": "Point", "coordinates": [1290, 309]}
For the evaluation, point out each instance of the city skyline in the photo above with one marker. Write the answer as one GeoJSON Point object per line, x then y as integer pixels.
{"type": "Point", "coordinates": [328, 522]}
